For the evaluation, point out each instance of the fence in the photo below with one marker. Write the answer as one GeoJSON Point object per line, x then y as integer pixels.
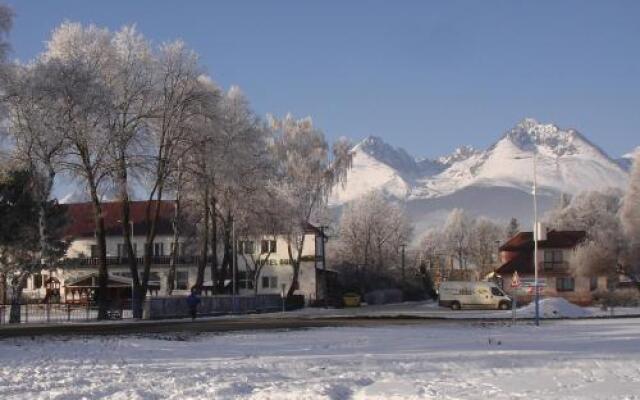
{"type": "Point", "coordinates": [176, 307]}
{"type": "Point", "coordinates": [59, 313]}
{"type": "Point", "coordinates": [154, 308]}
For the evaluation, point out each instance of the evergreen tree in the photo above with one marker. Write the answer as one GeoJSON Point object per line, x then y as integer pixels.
{"type": "Point", "coordinates": [513, 228]}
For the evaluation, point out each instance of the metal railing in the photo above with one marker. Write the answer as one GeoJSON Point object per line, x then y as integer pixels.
{"type": "Point", "coordinates": [62, 312]}
{"type": "Point", "coordinates": [157, 260]}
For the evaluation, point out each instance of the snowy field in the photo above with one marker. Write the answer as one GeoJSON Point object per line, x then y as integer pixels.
{"type": "Point", "coordinates": [569, 359]}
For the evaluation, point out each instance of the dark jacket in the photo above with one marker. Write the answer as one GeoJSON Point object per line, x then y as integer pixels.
{"type": "Point", "coordinates": [193, 300]}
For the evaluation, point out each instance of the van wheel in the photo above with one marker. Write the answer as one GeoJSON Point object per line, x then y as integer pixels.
{"type": "Point", "coordinates": [504, 305]}
{"type": "Point", "coordinates": [455, 305]}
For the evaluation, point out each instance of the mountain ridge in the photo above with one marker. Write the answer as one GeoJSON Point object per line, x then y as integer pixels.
{"type": "Point", "coordinates": [567, 162]}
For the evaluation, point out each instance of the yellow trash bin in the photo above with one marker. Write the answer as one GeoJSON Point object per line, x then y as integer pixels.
{"type": "Point", "coordinates": [351, 300]}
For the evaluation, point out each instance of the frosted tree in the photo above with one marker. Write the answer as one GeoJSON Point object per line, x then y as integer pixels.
{"type": "Point", "coordinates": [512, 228]}
{"type": "Point", "coordinates": [307, 171]}
{"type": "Point", "coordinates": [371, 231]}
{"type": "Point", "coordinates": [431, 250]}
{"type": "Point", "coordinates": [128, 77]}
{"type": "Point", "coordinates": [485, 239]}
{"type": "Point", "coordinates": [597, 214]}
{"type": "Point", "coordinates": [258, 220]}
{"type": "Point", "coordinates": [38, 146]}
{"type": "Point", "coordinates": [630, 218]}
{"type": "Point", "coordinates": [458, 236]}
{"type": "Point", "coordinates": [245, 170]}
{"type": "Point", "coordinates": [81, 109]}
{"type": "Point", "coordinates": [183, 101]}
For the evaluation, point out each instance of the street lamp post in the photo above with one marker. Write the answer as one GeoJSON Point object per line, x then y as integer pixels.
{"type": "Point", "coordinates": [324, 269]}
{"type": "Point", "coordinates": [535, 238]}
{"type": "Point", "coordinates": [535, 235]}
{"type": "Point", "coordinates": [403, 247]}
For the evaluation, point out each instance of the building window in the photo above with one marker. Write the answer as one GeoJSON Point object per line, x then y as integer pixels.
{"type": "Point", "coordinates": [122, 252]}
{"type": "Point", "coordinates": [37, 281]}
{"type": "Point", "coordinates": [246, 247]}
{"type": "Point", "coordinates": [178, 248]}
{"type": "Point", "coordinates": [553, 256]}
{"type": "Point", "coordinates": [565, 284]}
{"type": "Point", "coordinates": [182, 280]}
{"type": "Point", "coordinates": [552, 259]}
{"type": "Point", "coordinates": [273, 282]}
{"type": "Point", "coordinates": [265, 282]}
{"type": "Point", "coordinates": [593, 283]}
{"type": "Point", "coordinates": [245, 279]}
{"type": "Point", "coordinates": [268, 246]}
{"type": "Point", "coordinates": [158, 249]}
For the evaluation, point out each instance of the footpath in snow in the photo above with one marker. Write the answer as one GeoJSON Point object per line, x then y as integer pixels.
{"type": "Point", "coordinates": [568, 359]}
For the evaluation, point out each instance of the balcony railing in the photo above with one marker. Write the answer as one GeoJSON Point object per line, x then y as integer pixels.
{"type": "Point", "coordinates": [156, 260]}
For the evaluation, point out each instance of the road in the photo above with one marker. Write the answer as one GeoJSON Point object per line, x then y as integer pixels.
{"type": "Point", "coordinates": [220, 324]}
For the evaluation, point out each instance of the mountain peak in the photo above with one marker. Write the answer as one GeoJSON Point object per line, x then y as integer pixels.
{"type": "Point", "coordinates": [530, 134]}
{"type": "Point", "coordinates": [459, 154]}
{"type": "Point", "coordinates": [394, 157]}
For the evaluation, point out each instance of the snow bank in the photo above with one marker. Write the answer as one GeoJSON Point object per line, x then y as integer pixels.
{"type": "Point", "coordinates": [554, 307]}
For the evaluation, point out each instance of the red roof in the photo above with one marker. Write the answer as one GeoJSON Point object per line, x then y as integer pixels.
{"type": "Point", "coordinates": [522, 244]}
{"type": "Point", "coordinates": [555, 239]}
{"type": "Point", "coordinates": [82, 224]}
{"type": "Point", "coordinates": [523, 263]}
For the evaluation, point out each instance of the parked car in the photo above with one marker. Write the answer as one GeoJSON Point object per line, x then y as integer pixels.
{"type": "Point", "coordinates": [459, 294]}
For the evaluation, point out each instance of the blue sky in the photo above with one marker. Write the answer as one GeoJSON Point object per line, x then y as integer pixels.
{"type": "Point", "coordinates": [424, 75]}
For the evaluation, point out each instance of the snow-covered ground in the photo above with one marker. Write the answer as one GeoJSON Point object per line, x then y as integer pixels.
{"type": "Point", "coordinates": [552, 307]}
{"type": "Point", "coordinates": [577, 359]}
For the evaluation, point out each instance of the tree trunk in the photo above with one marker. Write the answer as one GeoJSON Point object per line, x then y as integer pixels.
{"type": "Point", "coordinates": [202, 263]}
{"type": "Point", "coordinates": [226, 256]}
{"type": "Point", "coordinates": [3, 288]}
{"type": "Point", "coordinates": [16, 295]}
{"type": "Point", "coordinates": [175, 248]}
{"type": "Point", "coordinates": [136, 305]}
{"type": "Point", "coordinates": [151, 222]}
{"type": "Point", "coordinates": [102, 295]}
{"type": "Point", "coordinates": [295, 264]}
{"type": "Point", "coordinates": [214, 247]}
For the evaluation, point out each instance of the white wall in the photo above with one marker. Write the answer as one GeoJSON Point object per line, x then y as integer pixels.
{"type": "Point", "coordinates": [279, 268]}
{"type": "Point", "coordinates": [82, 247]}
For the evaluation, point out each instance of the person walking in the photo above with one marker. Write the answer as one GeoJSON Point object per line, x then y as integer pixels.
{"type": "Point", "coordinates": [192, 301]}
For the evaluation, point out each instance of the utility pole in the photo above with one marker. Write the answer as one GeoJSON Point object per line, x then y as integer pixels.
{"type": "Point", "coordinates": [535, 237]}
{"type": "Point", "coordinates": [403, 246]}
{"type": "Point", "coordinates": [233, 264]}
{"type": "Point", "coordinates": [324, 268]}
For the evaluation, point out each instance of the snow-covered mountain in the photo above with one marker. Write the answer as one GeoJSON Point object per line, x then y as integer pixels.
{"type": "Point", "coordinates": [566, 162]}
{"type": "Point", "coordinates": [626, 161]}
{"type": "Point", "coordinates": [495, 182]}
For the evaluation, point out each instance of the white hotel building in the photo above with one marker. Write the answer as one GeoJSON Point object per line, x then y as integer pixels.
{"type": "Point", "coordinates": [73, 278]}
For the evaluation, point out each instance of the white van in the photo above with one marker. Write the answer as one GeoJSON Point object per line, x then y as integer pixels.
{"type": "Point", "coordinates": [472, 295]}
